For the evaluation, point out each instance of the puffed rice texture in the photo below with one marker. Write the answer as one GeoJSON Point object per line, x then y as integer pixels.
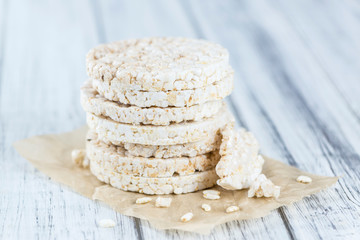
{"type": "Point", "coordinates": [263, 187]}
{"type": "Point", "coordinates": [179, 133]}
{"type": "Point", "coordinates": [184, 98]}
{"type": "Point", "coordinates": [165, 185]}
{"type": "Point", "coordinates": [114, 157]}
{"type": "Point", "coordinates": [304, 179]}
{"type": "Point", "coordinates": [240, 163]}
{"type": "Point", "coordinates": [158, 64]}
{"type": "Point", "coordinates": [93, 102]}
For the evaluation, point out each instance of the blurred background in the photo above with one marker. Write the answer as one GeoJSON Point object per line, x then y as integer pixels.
{"type": "Point", "coordinates": [297, 87]}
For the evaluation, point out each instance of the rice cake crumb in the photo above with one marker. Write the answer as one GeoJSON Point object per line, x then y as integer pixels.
{"type": "Point", "coordinates": [163, 202]}
{"type": "Point", "coordinates": [232, 209]}
{"type": "Point", "coordinates": [210, 196]}
{"type": "Point", "coordinates": [263, 187]}
{"type": "Point", "coordinates": [143, 200]}
{"type": "Point", "coordinates": [214, 192]}
{"type": "Point", "coordinates": [78, 157]}
{"type": "Point", "coordinates": [106, 223]}
{"type": "Point", "coordinates": [187, 217]}
{"type": "Point", "coordinates": [206, 207]}
{"type": "Point", "coordinates": [304, 179]}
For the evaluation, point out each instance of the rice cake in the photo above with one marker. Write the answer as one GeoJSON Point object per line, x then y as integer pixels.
{"type": "Point", "coordinates": [166, 185]}
{"type": "Point", "coordinates": [158, 63]}
{"type": "Point", "coordinates": [183, 98]}
{"type": "Point", "coordinates": [178, 133]}
{"type": "Point", "coordinates": [94, 103]}
{"type": "Point", "coordinates": [209, 144]}
{"type": "Point", "coordinates": [114, 157]}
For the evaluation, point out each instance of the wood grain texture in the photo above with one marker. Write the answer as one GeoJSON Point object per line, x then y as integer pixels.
{"type": "Point", "coordinates": [297, 88]}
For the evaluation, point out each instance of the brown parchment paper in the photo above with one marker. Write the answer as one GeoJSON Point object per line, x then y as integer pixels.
{"type": "Point", "coordinates": [51, 154]}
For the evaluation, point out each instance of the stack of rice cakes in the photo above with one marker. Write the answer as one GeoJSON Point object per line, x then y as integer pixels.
{"type": "Point", "coordinates": [154, 108]}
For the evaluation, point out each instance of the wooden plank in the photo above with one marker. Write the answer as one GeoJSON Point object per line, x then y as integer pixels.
{"type": "Point", "coordinates": [336, 48]}
{"type": "Point", "coordinates": [3, 26]}
{"type": "Point", "coordinates": [3, 18]}
{"type": "Point", "coordinates": [307, 94]}
{"type": "Point", "coordinates": [137, 19]}
{"type": "Point", "coordinates": [269, 76]}
{"type": "Point", "coordinates": [332, 123]}
{"type": "Point", "coordinates": [43, 67]}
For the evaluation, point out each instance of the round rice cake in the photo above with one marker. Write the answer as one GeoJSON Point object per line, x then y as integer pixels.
{"type": "Point", "coordinates": [209, 144]}
{"type": "Point", "coordinates": [158, 64]}
{"type": "Point", "coordinates": [114, 157]}
{"type": "Point", "coordinates": [163, 185]}
{"type": "Point", "coordinates": [239, 163]}
{"type": "Point", "coordinates": [92, 102]}
{"type": "Point", "coordinates": [178, 133]}
{"type": "Point", "coordinates": [183, 98]}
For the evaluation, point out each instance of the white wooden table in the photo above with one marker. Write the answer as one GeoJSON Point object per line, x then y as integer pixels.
{"type": "Point", "coordinates": [297, 88]}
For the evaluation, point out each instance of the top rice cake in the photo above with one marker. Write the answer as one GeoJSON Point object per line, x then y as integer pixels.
{"type": "Point", "coordinates": [159, 64]}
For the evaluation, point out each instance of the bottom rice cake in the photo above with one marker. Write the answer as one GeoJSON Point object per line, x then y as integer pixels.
{"type": "Point", "coordinates": [161, 185]}
{"type": "Point", "coordinates": [179, 133]}
{"type": "Point", "coordinates": [114, 157]}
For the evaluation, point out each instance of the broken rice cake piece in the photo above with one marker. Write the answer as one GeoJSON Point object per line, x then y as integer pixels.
{"type": "Point", "coordinates": [163, 202]}
{"type": "Point", "coordinates": [240, 163]}
{"type": "Point", "coordinates": [263, 187]}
